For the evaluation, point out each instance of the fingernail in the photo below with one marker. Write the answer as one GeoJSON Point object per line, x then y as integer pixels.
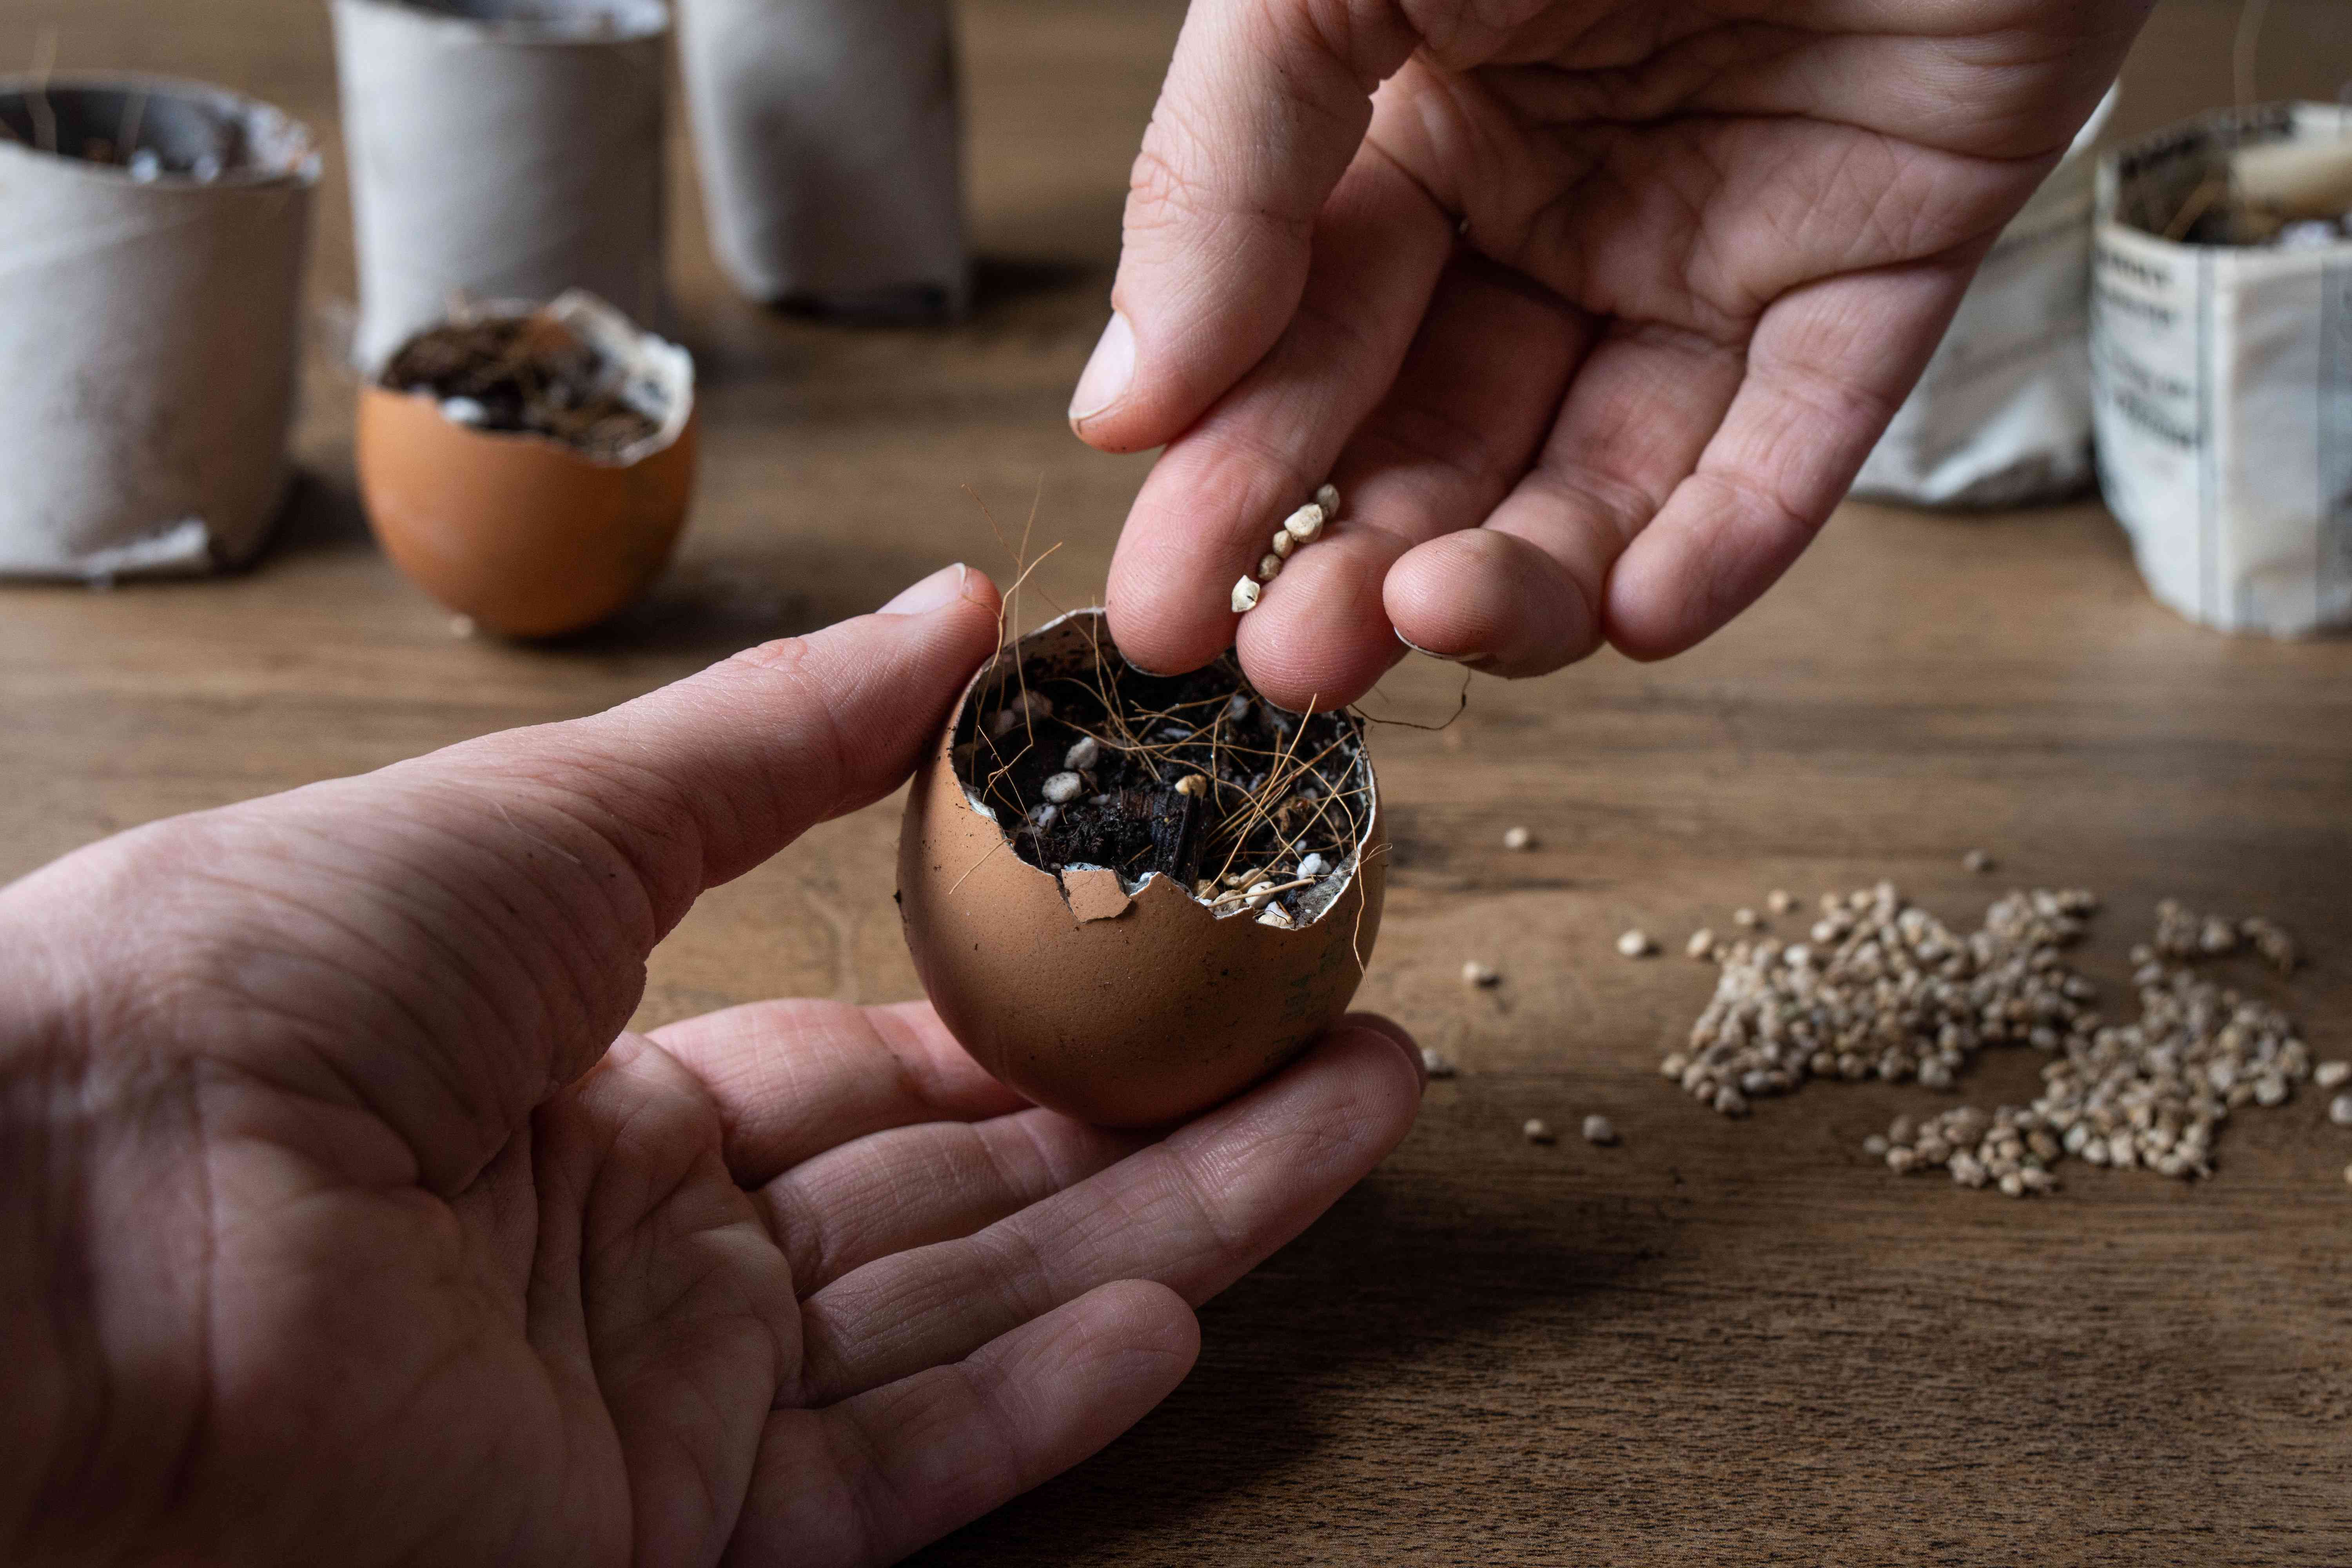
{"type": "Point", "coordinates": [1433, 653]}
{"type": "Point", "coordinates": [943, 586]}
{"type": "Point", "coordinates": [1109, 371]}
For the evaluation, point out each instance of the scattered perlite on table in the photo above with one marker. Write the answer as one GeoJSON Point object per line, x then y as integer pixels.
{"type": "Point", "coordinates": [1884, 991]}
{"type": "Point", "coordinates": [1300, 527]}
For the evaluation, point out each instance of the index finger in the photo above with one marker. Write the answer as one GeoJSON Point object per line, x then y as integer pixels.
{"type": "Point", "coordinates": [1265, 104]}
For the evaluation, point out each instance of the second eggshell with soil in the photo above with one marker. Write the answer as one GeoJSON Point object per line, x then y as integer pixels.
{"type": "Point", "coordinates": [1119, 1001]}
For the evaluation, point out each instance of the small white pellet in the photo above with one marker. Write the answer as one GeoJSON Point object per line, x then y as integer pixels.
{"type": "Point", "coordinates": [1192, 784]}
{"type": "Point", "coordinates": [1600, 1129]}
{"type": "Point", "coordinates": [1327, 496]}
{"type": "Point", "coordinates": [1518, 838]}
{"type": "Point", "coordinates": [1636, 944]}
{"type": "Point", "coordinates": [1043, 816]}
{"type": "Point", "coordinates": [1780, 902]}
{"type": "Point", "coordinates": [1535, 1129]}
{"type": "Point", "coordinates": [1063, 788]}
{"type": "Point", "coordinates": [1246, 593]}
{"type": "Point", "coordinates": [1283, 543]}
{"type": "Point", "coordinates": [2339, 1110]}
{"type": "Point", "coordinates": [1305, 523]}
{"type": "Point", "coordinates": [2327, 1075]}
{"type": "Point", "coordinates": [1976, 862]}
{"type": "Point", "coordinates": [1477, 973]}
{"type": "Point", "coordinates": [1701, 944]}
{"type": "Point", "coordinates": [1435, 1065]}
{"type": "Point", "coordinates": [1084, 753]}
{"type": "Point", "coordinates": [1236, 709]}
{"type": "Point", "coordinates": [1311, 867]}
{"type": "Point", "coordinates": [465, 411]}
{"type": "Point", "coordinates": [1269, 567]}
{"type": "Point", "coordinates": [1745, 919]}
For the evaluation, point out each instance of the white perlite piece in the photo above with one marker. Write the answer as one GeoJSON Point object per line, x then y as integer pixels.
{"type": "Point", "coordinates": [1893, 995]}
{"type": "Point", "coordinates": [1435, 1065]}
{"type": "Point", "coordinates": [1063, 788]}
{"type": "Point", "coordinates": [1780, 901]}
{"type": "Point", "coordinates": [1084, 753]}
{"type": "Point", "coordinates": [1701, 944]}
{"type": "Point", "coordinates": [1477, 973]}
{"type": "Point", "coordinates": [2339, 1110]}
{"type": "Point", "coordinates": [1518, 838]}
{"type": "Point", "coordinates": [1636, 944]}
{"type": "Point", "coordinates": [1600, 1129]}
{"type": "Point", "coordinates": [1976, 862]}
{"type": "Point", "coordinates": [1535, 1129]}
{"type": "Point", "coordinates": [1745, 920]}
{"type": "Point", "coordinates": [2327, 1075]}
{"type": "Point", "coordinates": [1245, 596]}
{"type": "Point", "coordinates": [1311, 865]}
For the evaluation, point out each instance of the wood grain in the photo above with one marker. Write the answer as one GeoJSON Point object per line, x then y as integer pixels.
{"type": "Point", "coordinates": [1718, 1343]}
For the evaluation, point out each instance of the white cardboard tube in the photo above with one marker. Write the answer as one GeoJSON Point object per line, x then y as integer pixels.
{"type": "Point", "coordinates": [830, 144]}
{"type": "Point", "coordinates": [500, 149]}
{"type": "Point", "coordinates": [149, 327]}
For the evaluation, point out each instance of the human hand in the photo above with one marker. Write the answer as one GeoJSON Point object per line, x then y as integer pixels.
{"type": "Point", "coordinates": [336, 1227]}
{"type": "Point", "coordinates": [1591, 308]}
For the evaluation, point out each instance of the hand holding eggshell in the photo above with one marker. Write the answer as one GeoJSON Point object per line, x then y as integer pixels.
{"type": "Point", "coordinates": [800, 1257]}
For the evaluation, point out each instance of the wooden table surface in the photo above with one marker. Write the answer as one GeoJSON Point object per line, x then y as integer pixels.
{"type": "Point", "coordinates": [1721, 1341]}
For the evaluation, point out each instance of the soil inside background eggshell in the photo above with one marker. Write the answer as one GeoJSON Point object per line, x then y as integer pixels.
{"type": "Point", "coordinates": [1279, 787]}
{"type": "Point", "coordinates": [154, 132]}
{"type": "Point", "coordinates": [525, 375]}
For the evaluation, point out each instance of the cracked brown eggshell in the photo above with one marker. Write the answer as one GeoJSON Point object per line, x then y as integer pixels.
{"type": "Point", "coordinates": [1124, 1008]}
{"type": "Point", "coordinates": [529, 536]}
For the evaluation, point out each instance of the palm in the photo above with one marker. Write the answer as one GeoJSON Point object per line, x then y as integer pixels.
{"type": "Point", "coordinates": [1608, 306]}
{"type": "Point", "coordinates": [367, 1242]}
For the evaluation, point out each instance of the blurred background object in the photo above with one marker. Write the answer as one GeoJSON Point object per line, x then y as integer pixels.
{"type": "Point", "coordinates": [829, 137]}
{"type": "Point", "coordinates": [2002, 416]}
{"type": "Point", "coordinates": [501, 150]}
{"type": "Point", "coordinates": [2221, 341]}
{"type": "Point", "coordinates": [151, 242]}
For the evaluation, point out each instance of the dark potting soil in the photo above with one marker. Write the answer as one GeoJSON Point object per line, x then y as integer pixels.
{"type": "Point", "coordinates": [529, 375]}
{"type": "Point", "coordinates": [1278, 787]}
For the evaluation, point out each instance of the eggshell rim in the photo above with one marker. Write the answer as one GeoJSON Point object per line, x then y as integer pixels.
{"type": "Point", "coordinates": [608, 319]}
{"type": "Point", "coordinates": [1369, 838]}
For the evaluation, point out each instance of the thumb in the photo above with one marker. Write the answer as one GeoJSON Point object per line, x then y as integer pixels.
{"type": "Point", "coordinates": [1266, 103]}
{"type": "Point", "coordinates": [443, 944]}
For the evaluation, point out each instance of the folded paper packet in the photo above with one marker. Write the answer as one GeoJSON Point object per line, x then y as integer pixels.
{"type": "Point", "coordinates": [149, 311]}
{"type": "Point", "coordinates": [2002, 416]}
{"type": "Point", "coordinates": [2222, 375]}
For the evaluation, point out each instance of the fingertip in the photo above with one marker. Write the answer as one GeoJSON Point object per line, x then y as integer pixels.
{"type": "Point", "coordinates": [1490, 599]}
{"type": "Point", "coordinates": [1396, 1034]}
{"type": "Point", "coordinates": [1370, 1051]}
{"type": "Point", "coordinates": [1320, 637]}
{"type": "Point", "coordinates": [1160, 633]}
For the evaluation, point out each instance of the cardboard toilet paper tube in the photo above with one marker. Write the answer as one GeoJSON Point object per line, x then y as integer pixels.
{"type": "Point", "coordinates": [151, 242]}
{"type": "Point", "coordinates": [500, 149]}
{"type": "Point", "coordinates": [830, 144]}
